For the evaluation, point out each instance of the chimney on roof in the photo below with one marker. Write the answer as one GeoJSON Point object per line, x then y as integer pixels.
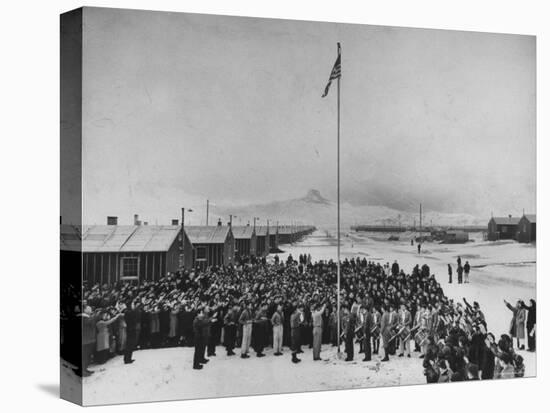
{"type": "Point", "coordinates": [175, 222]}
{"type": "Point", "coordinates": [510, 217]}
{"type": "Point", "coordinates": [219, 222]}
{"type": "Point", "coordinates": [136, 219]}
{"type": "Point", "coordinates": [112, 220]}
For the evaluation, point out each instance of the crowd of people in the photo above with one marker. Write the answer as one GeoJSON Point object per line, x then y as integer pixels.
{"type": "Point", "coordinates": [251, 306]}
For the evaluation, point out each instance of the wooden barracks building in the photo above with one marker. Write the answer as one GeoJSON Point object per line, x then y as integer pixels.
{"type": "Point", "coordinates": [111, 253]}
{"type": "Point", "coordinates": [527, 228]}
{"type": "Point", "coordinates": [245, 240]}
{"type": "Point", "coordinates": [502, 228]}
{"type": "Point", "coordinates": [212, 246]}
{"type": "Point", "coordinates": [262, 241]}
{"type": "Point", "coordinates": [124, 252]}
{"type": "Point", "coordinates": [522, 229]}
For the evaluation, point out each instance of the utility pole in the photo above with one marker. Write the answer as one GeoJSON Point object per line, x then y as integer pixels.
{"type": "Point", "coordinates": [207, 210]}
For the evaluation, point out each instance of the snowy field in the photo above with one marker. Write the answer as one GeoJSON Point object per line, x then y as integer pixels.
{"type": "Point", "coordinates": [501, 270]}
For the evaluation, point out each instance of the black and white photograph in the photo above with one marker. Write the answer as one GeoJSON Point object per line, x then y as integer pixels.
{"type": "Point", "coordinates": [256, 206]}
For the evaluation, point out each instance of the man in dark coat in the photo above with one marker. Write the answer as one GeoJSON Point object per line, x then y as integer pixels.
{"type": "Point", "coordinates": [531, 324]}
{"type": "Point", "coordinates": [459, 271]}
{"type": "Point", "coordinates": [368, 324]}
{"type": "Point", "coordinates": [395, 268]}
{"type": "Point", "coordinates": [212, 334]}
{"type": "Point", "coordinates": [295, 325]}
{"type": "Point", "coordinates": [131, 318]}
{"type": "Point", "coordinates": [230, 330]}
{"type": "Point", "coordinates": [259, 328]}
{"type": "Point", "coordinates": [350, 335]}
{"type": "Point", "coordinates": [199, 331]}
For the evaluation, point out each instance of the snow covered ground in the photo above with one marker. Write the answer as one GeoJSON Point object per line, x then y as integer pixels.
{"type": "Point", "coordinates": [501, 270]}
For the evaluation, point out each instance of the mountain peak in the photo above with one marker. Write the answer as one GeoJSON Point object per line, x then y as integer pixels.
{"type": "Point", "coordinates": [314, 196]}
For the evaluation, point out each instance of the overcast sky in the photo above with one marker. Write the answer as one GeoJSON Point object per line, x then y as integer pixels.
{"type": "Point", "coordinates": [178, 108]}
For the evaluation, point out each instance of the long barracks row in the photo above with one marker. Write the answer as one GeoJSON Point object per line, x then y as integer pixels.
{"type": "Point", "coordinates": [111, 253]}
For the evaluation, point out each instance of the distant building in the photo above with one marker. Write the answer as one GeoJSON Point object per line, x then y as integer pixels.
{"type": "Point", "coordinates": [274, 239]}
{"type": "Point", "coordinates": [245, 240]}
{"type": "Point", "coordinates": [111, 253]}
{"type": "Point", "coordinates": [287, 234]}
{"type": "Point", "coordinates": [212, 246]}
{"type": "Point", "coordinates": [527, 228]}
{"type": "Point", "coordinates": [502, 228]}
{"type": "Point", "coordinates": [262, 241]}
{"type": "Point", "coordinates": [455, 237]}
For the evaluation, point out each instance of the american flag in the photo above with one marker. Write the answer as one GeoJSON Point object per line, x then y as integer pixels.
{"type": "Point", "coordinates": [335, 74]}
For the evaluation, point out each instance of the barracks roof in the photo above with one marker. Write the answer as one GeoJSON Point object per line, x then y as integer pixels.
{"type": "Point", "coordinates": [532, 218]}
{"type": "Point", "coordinates": [119, 238]}
{"type": "Point", "coordinates": [262, 230]}
{"type": "Point", "coordinates": [506, 220]}
{"type": "Point", "coordinates": [242, 232]}
{"type": "Point", "coordinates": [216, 234]}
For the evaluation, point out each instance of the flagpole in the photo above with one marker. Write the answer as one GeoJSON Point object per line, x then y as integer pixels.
{"type": "Point", "coordinates": [338, 200]}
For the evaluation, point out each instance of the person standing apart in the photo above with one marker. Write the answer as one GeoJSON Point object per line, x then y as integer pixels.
{"type": "Point", "coordinates": [517, 324]}
{"type": "Point", "coordinates": [317, 319]}
{"type": "Point", "coordinates": [459, 271]}
{"type": "Point", "coordinates": [450, 272]}
{"type": "Point", "coordinates": [467, 272]}
{"type": "Point", "coordinates": [531, 324]}
{"type": "Point", "coordinates": [521, 316]}
{"type": "Point", "coordinates": [277, 322]}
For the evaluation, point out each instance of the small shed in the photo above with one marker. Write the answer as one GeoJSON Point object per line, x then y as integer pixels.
{"type": "Point", "coordinates": [502, 228]}
{"type": "Point", "coordinates": [212, 246]}
{"type": "Point", "coordinates": [245, 241]}
{"type": "Point", "coordinates": [455, 237]}
{"type": "Point", "coordinates": [527, 228]}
